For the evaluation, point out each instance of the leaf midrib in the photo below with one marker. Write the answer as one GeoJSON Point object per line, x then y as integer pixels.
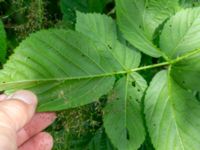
{"type": "Point", "coordinates": [167, 63]}
{"type": "Point", "coordinates": [172, 109]}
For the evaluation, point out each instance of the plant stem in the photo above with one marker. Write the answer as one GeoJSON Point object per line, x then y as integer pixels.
{"type": "Point", "coordinates": [189, 54]}
{"type": "Point", "coordinates": [12, 13]}
{"type": "Point", "coordinates": [40, 6]}
{"type": "Point", "coordinates": [150, 66]}
{"type": "Point", "coordinates": [167, 63]}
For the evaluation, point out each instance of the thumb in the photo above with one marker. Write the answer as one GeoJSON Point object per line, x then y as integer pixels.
{"type": "Point", "coordinates": [15, 112]}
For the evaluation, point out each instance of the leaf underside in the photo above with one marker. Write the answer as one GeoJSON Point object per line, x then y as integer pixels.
{"type": "Point", "coordinates": [67, 69]}
{"type": "Point", "coordinates": [171, 108]}
{"type": "Point", "coordinates": [172, 115]}
{"type": "Point", "coordinates": [57, 64]}
{"type": "Point", "coordinates": [138, 20]}
{"type": "Point", "coordinates": [187, 40]}
{"type": "Point", "coordinates": [122, 115]}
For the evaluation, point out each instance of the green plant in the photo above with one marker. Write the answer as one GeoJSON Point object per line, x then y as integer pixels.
{"type": "Point", "coordinates": [3, 44]}
{"type": "Point", "coordinates": [99, 63]}
{"type": "Point", "coordinates": [69, 8]}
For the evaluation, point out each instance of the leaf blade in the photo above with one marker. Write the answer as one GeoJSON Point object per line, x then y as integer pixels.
{"type": "Point", "coordinates": [63, 65]}
{"type": "Point", "coordinates": [186, 72]}
{"type": "Point", "coordinates": [186, 40]}
{"type": "Point", "coordinates": [31, 69]}
{"type": "Point", "coordinates": [102, 30]}
{"type": "Point", "coordinates": [183, 42]}
{"type": "Point", "coordinates": [138, 21]}
{"type": "Point", "coordinates": [122, 116]}
{"type": "Point", "coordinates": [172, 117]}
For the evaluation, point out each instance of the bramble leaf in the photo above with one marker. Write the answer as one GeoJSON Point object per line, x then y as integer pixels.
{"type": "Point", "coordinates": [62, 70]}
{"type": "Point", "coordinates": [172, 115]}
{"type": "Point", "coordinates": [97, 27]}
{"type": "Point", "coordinates": [3, 44]}
{"type": "Point", "coordinates": [58, 68]}
{"type": "Point", "coordinates": [187, 22]}
{"type": "Point", "coordinates": [123, 116]}
{"type": "Point", "coordinates": [102, 30]}
{"type": "Point", "coordinates": [138, 20]}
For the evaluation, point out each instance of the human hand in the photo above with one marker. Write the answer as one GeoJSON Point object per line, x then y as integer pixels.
{"type": "Point", "coordinates": [20, 127]}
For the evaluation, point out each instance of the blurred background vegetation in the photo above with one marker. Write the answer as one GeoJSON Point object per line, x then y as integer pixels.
{"type": "Point", "coordinates": [79, 128]}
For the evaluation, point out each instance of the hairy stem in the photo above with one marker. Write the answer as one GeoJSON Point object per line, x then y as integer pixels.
{"type": "Point", "coordinates": [167, 63]}
{"type": "Point", "coordinates": [150, 66]}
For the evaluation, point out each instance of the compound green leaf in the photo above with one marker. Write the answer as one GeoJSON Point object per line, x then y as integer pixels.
{"type": "Point", "coordinates": [122, 115]}
{"type": "Point", "coordinates": [138, 20]}
{"type": "Point", "coordinates": [172, 115]}
{"type": "Point", "coordinates": [61, 69]}
{"type": "Point", "coordinates": [102, 30]}
{"type": "Point", "coordinates": [3, 44]}
{"type": "Point", "coordinates": [181, 33]}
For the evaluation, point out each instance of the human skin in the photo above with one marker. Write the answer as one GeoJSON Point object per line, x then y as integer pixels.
{"type": "Point", "coordinates": [20, 127]}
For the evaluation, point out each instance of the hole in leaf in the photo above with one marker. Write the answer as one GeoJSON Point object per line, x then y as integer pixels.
{"type": "Point", "coordinates": [154, 60]}
{"type": "Point", "coordinates": [127, 135]}
{"type": "Point", "coordinates": [109, 46]}
{"type": "Point", "coordinates": [137, 100]}
{"type": "Point", "coordinates": [133, 83]}
{"type": "Point", "coordinates": [197, 96]}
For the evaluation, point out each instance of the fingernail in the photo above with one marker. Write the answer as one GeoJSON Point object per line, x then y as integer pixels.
{"type": "Point", "coordinates": [25, 96]}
